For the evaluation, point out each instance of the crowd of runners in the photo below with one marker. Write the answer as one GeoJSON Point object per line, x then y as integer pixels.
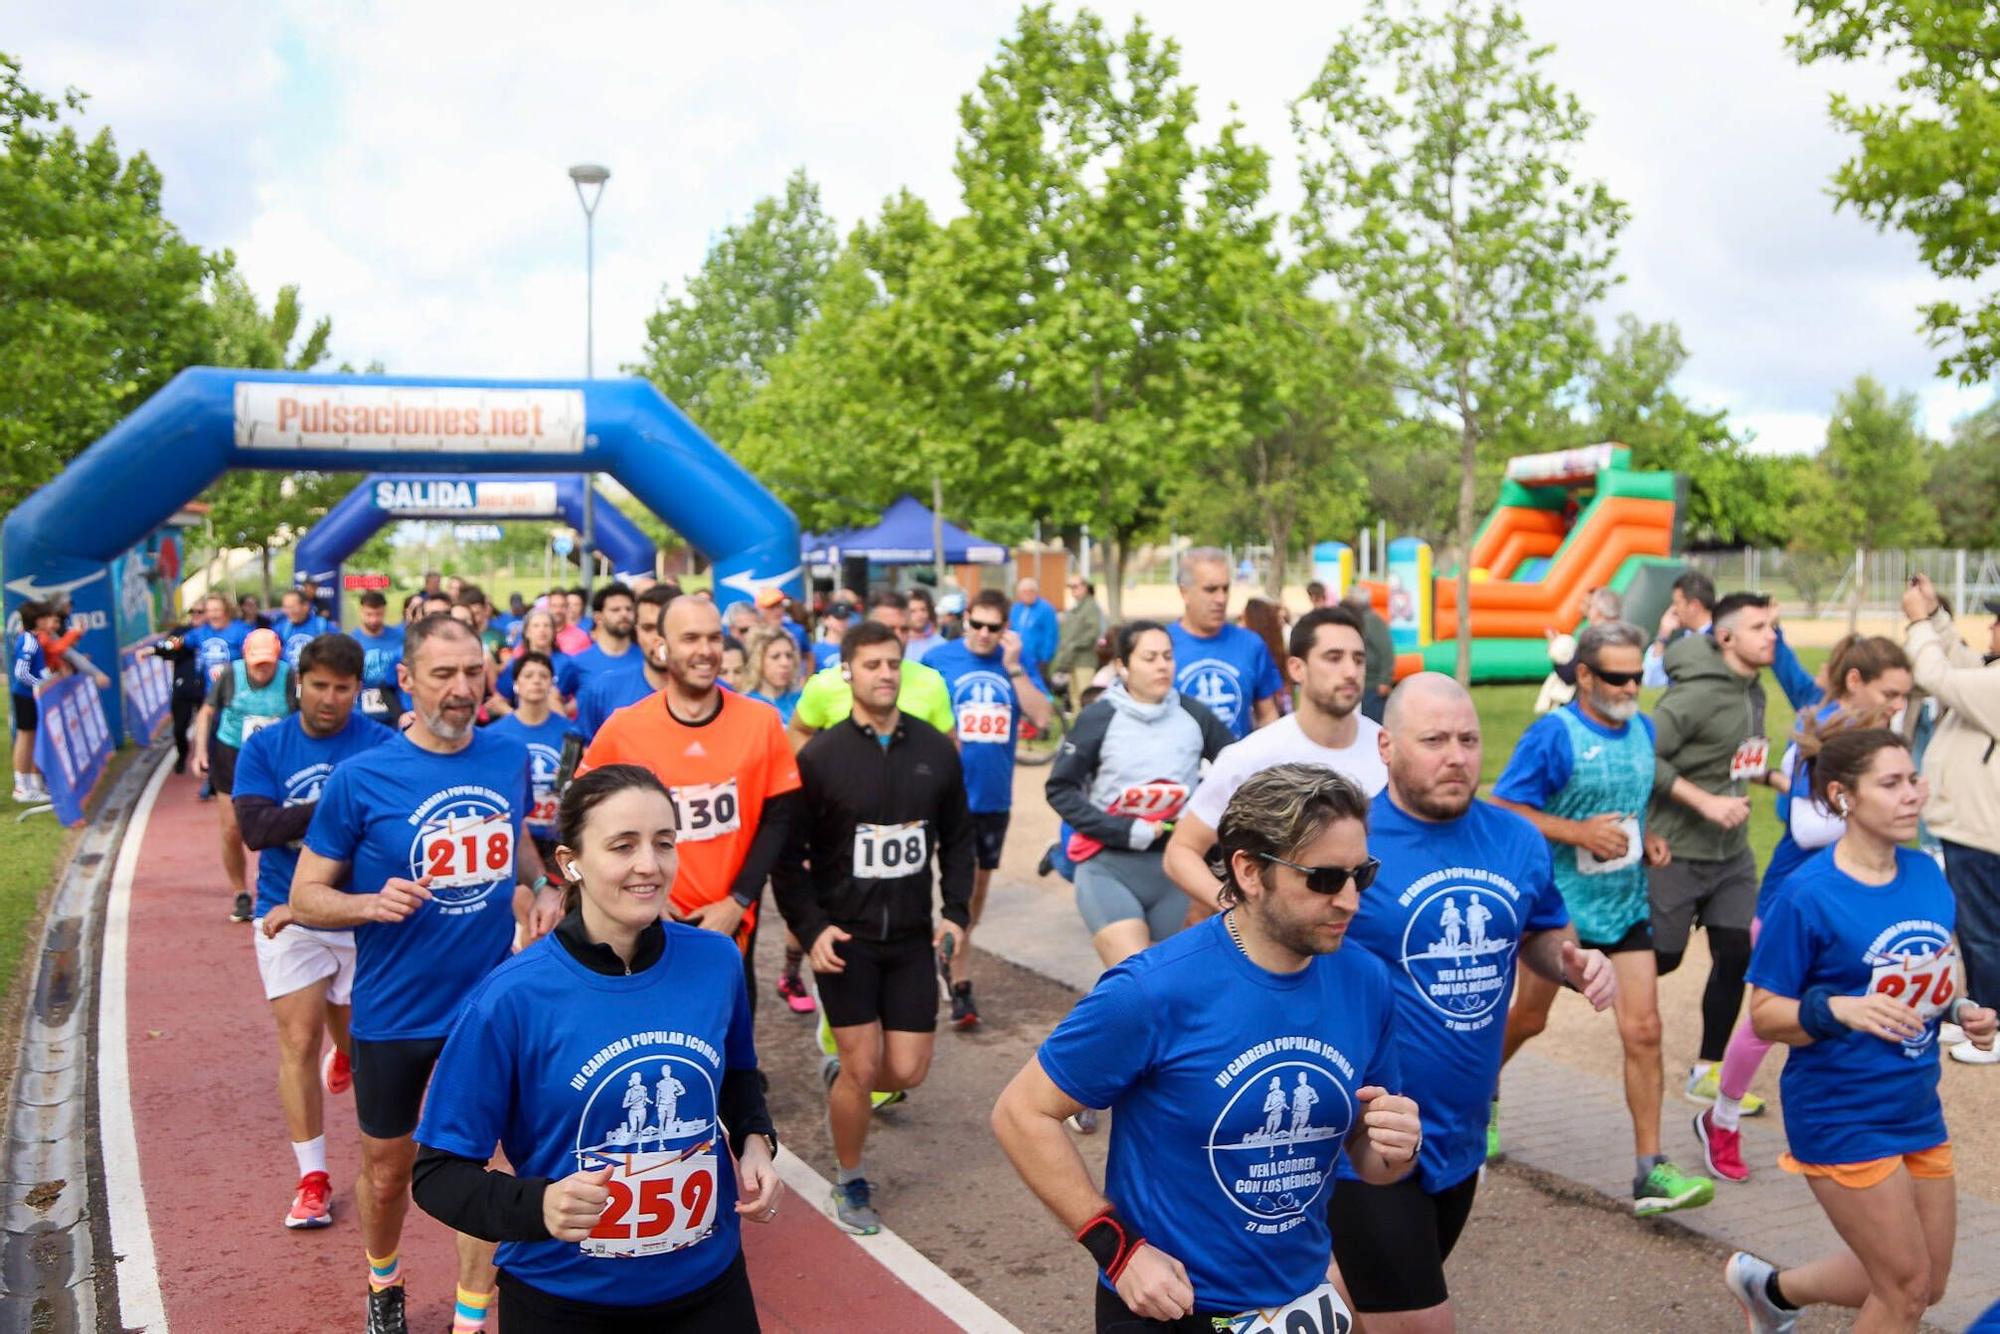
{"type": "Point", "coordinates": [512, 866]}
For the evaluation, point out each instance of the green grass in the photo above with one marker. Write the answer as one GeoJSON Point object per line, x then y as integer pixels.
{"type": "Point", "coordinates": [28, 855]}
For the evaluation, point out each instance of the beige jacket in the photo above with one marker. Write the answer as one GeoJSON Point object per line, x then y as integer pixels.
{"type": "Point", "coordinates": [1963, 760]}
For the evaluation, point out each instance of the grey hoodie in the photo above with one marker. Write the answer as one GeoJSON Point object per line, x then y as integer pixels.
{"type": "Point", "coordinates": [1118, 748]}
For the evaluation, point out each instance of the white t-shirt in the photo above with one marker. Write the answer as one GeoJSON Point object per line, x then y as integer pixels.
{"type": "Point", "coordinates": [1285, 742]}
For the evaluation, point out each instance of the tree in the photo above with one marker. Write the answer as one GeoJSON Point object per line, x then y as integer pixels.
{"type": "Point", "coordinates": [1965, 481]}
{"type": "Point", "coordinates": [1877, 462]}
{"type": "Point", "coordinates": [1441, 195]}
{"type": "Point", "coordinates": [100, 297]}
{"type": "Point", "coordinates": [709, 350]}
{"type": "Point", "coordinates": [1923, 164]}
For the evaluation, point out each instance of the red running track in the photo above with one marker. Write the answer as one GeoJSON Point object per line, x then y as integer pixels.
{"type": "Point", "coordinates": [216, 1170]}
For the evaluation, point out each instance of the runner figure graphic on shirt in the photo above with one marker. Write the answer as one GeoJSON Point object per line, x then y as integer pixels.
{"type": "Point", "coordinates": [667, 1098]}
{"type": "Point", "coordinates": [1274, 1109]}
{"type": "Point", "coordinates": [1304, 1099]}
{"type": "Point", "coordinates": [655, 1155]}
{"type": "Point", "coordinates": [636, 1103]}
{"type": "Point", "coordinates": [1453, 921]}
{"type": "Point", "coordinates": [1477, 915]}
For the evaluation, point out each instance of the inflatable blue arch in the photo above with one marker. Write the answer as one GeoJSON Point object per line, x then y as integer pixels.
{"type": "Point", "coordinates": [387, 496]}
{"type": "Point", "coordinates": [207, 420]}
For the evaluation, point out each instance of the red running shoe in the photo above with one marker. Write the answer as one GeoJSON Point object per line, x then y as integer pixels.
{"type": "Point", "coordinates": [1721, 1149]}
{"type": "Point", "coordinates": [313, 1205]}
{"type": "Point", "coordinates": [335, 1074]}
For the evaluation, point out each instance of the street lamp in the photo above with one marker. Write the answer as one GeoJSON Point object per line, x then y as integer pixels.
{"type": "Point", "coordinates": [590, 176]}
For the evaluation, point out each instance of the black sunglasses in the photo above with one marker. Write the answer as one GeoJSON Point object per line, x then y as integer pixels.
{"type": "Point", "coordinates": [1332, 879]}
{"type": "Point", "coordinates": [1612, 678]}
{"type": "Point", "coordinates": [995, 626]}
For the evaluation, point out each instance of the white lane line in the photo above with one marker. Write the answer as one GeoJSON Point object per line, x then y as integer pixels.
{"type": "Point", "coordinates": [139, 1303]}
{"type": "Point", "coordinates": [897, 1256]}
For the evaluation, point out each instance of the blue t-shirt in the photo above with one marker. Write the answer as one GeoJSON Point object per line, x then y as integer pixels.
{"type": "Point", "coordinates": [594, 662]}
{"type": "Point", "coordinates": [1039, 628]}
{"type": "Point", "coordinates": [1543, 759]}
{"type": "Point", "coordinates": [379, 655]}
{"type": "Point", "coordinates": [545, 746]}
{"type": "Point", "coordinates": [987, 712]}
{"type": "Point", "coordinates": [606, 695]}
{"type": "Point", "coordinates": [31, 664]}
{"type": "Point", "coordinates": [566, 686]}
{"type": "Point", "coordinates": [1232, 1091]}
{"type": "Point", "coordinates": [285, 764]}
{"type": "Point", "coordinates": [1447, 914]}
{"type": "Point", "coordinates": [784, 703]}
{"type": "Point", "coordinates": [825, 655]}
{"type": "Point", "coordinates": [296, 637]}
{"type": "Point", "coordinates": [1228, 672]}
{"type": "Point", "coordinates": [401, 810]}
{"type": "Point", "coordinates": [1857, 1097]}
{"type": "Point", "coordinates": [568, 1070]}
{"type": "Point", "coordinates": [215, 649]}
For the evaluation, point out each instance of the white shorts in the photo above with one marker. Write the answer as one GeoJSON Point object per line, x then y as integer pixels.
{"type": "Point", "coordinates": [299, 956]}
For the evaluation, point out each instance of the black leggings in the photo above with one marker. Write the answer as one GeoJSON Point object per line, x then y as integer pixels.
{"type": "Point", "coordinates": [185, 707]}
{"type": "Point", "coordinates": [724, 1306]}
{"type": "Point", "coordinates": [1722, 998]}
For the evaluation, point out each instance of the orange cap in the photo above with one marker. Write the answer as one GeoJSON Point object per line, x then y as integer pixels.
{"type": "Point", "coordinates": [262, 646]}
{"type": "Point", "coordinates": [770, 597]}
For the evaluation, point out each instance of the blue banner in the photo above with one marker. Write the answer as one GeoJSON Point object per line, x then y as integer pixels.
{"type": "Point", "coordinates": [149, 690]}
{"type": "Point", "coordinates": [73, 743]}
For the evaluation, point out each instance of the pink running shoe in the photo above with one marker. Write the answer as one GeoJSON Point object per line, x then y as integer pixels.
{"type": "Point", "coordinates": [794, 993]}
{"type": "Point", "coordinates": [335, 1074]}
{"type": "Point", "coordinates": [313, 1205]}
{"type": "Point", "coordinates": [1721, 1149]}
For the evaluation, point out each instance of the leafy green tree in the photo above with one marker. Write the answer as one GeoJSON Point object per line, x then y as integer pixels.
{"type": "Point", "coordinates": [1923, 163]}
{"type": "Point", "coordinates": [709, 349]}
{"type": "Point", "coordinates": [100, 297]}
{"type": "Point", "coordinates": [1965, 481]}
{"type": "Point", "coordinates": [1442, 195]}
{"type": "Point", "coordinates": [1878, 463]}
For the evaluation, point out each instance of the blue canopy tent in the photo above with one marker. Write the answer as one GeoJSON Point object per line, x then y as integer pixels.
{"type": "Point", "coordinates": [902, 536]}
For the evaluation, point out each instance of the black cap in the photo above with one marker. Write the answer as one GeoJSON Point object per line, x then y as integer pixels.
{"type": "Point", "coordinates": [1992, 606]}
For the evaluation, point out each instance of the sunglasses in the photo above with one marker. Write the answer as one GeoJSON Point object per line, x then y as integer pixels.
{"type": "Point", "coordinates": [992, 627]}
{"type": "Point", "coordinates": [1332, 879]}
{"type": "Point", "coordinates": [1612, 678]}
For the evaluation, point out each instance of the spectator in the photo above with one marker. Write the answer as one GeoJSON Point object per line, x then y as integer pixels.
{"type": "Point", "coordinates": [1035, 621]}
{"type": "Point", "coordinates": [1076, 645]}
{"type": "Point", "coordinates": [1689, 610]}
{"type": "Point", "coordinates": [1316, 594]}
{"type": "Point", "coordinates": [776, 614]}
{"type": "Point", "coordinates": [1380, 676]}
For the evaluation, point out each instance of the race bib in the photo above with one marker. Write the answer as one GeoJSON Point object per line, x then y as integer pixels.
{"type": "Point", "coordinates": [472, 852]}
{"type": "Point", "coordinates": [707, 810]}
{"type": "Point", "coordinates": [1157, 800]}
{"type": "Point", "coordinates": [1588, 864]}
{"type": "Point", "coordinates": [253, 725]}
{"type": "Point", "coordinates": [1924, 982]}
{"type": "Point", "coordinates": [1318, 1312]}
{"type": "Point", "coordinates": [543, 813]}
{"type": "Point", "coordinates": [985, 723]}
{"type": "Point", "coordinates": [659, 1202]}
{"type": "Point", "coordinates": [1751, 759]}
{"type": "Point", "coordinates": [888, 851]}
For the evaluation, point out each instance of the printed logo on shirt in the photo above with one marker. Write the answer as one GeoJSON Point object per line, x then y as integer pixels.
{"type": "Point", "coordinates": [1915, 962]}
{"type": "Point", "coordinates": [465, 843]}
{"type": "Point", "coordinates": [1459, 943]}
{"type": "Point", "coordinates": [1216, 685]}
{"type": "Point", "coordinates": [1274, 1144]}
{"type": "Point", "coordinates": [303, 785]}
{"type": "Point", "coordinates": [651, 1119]}
{"type": "Point", "coordinates": [983, 706]}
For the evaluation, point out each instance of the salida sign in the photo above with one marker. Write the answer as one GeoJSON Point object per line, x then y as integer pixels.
{"type": "Point", "coordinates": [449, 497]}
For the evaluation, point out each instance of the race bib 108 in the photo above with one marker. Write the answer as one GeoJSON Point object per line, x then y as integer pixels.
{"type": "Point", "coordinates": [889, 851]}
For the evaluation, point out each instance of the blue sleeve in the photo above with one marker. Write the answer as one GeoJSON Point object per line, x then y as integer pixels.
{"type": "Point", "coordinates": [465, 1111]}
{"type": "Point", "coordinates": [1104, 1044]}
{"type": "Point", "coordinates": [1540, 765]}
{"type": "Point", "coordinates": [1548, 912]}
{"type": "Point", "coordinates": [503, 684]}
{"type": "Point", "coordinates": [25, 649]}
{"type": "Point", "coordinates": [338, 822]}
{"type": "Point", "coordinates": [254, 775]}
{"type": "Point", "coordinates": [1798, 684]}
{"type": "Point", "coordinates": [739, 1049]}
{"type": "Point", "coordinates": [566, 676]}
{"type": "Point", "coordinates": [1265, 672]}
{"type": "Point", "coordinates": [1784, 952]}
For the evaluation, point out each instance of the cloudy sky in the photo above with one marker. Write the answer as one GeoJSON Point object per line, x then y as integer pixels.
{"type": "Point", "coordinates": [406, 164]}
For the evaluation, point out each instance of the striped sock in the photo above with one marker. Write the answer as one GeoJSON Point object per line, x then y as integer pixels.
{"type": "Point", "coordinates": [385, 1271]}
{"type": "Point", "coordinates": [470, 1315]}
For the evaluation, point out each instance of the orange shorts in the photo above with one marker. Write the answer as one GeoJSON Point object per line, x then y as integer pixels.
{"type": "Point", "coordinates": [1932, 1164]}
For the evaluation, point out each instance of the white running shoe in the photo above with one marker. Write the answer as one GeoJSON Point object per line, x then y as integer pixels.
{"type": "Point", "coordinates": [1950, 1035]}
{"type": "Point", "coordinates": [1971, 1055]}
{"type": "Point", "coordinates": [1746, 1275]}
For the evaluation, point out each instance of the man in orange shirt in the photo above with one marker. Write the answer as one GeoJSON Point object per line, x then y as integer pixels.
{"type": "Point", "coordinates": [725, 762]}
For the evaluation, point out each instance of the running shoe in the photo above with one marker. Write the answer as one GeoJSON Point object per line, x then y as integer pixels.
{"type": "Point", "coordinates": [878, 1100]}
{"type": "Point", "coordinates": [313, 1205]}
{"type": "Point", "coordinates": [964, 1014]}
{"type": "Point", "coordinates": [385, 1311]}
{"type": "Point", "coordinates": [1971, 1055]}
{"type": "Point", "coordinates": [240, 911]}
{"type": "Point", "coordinates": [1705, 1089]}
{"type": "Point", "coordinates": [335, 1074]}
{"type": "Point", "coordinates": [1721, 1149]}
{"type": "Point", "coordinates": [853, 1210]}
{"type": "Point", "coordinates": [1746, 1276]}
{"type": "Point", "coordinates": [792, 991]}
{"type": "Point", "coordinates": [1493, 1131]}
{"type": "Point", "coordinates": [1667, 1188]}
{"type": "Point", "coordinates": [1950, 1035]}
{"type": "Point", "coordinates": [1083, 1122]}
{"type": "Point", "coordinates": [829, 1070]}
{"type": "Point", "coordinates": [826, 1042]}
{"type": "Point", "coordinates": [22, 795]}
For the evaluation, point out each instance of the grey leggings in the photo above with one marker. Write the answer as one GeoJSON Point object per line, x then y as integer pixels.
{"type": "Point", "coordinates": [1120, 885]}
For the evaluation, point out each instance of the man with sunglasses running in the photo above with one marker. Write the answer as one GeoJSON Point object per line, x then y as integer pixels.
{"type": "Point", "coordinates": [990, 691]}
{"type": "Point", "coordinates": [1465, 888]}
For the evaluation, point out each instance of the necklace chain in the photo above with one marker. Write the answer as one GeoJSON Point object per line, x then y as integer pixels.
{"type": "Point", "coordinates": [1229, 920]}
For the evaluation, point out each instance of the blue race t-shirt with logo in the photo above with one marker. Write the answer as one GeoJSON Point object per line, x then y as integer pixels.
{"type": "Point", "coordinates": [1232, 1091]}
{"type": "Point", "coordinates": [215, 649]}
{"type": "Point", "coordinates": [287, 765]}
{"type": "Point", "coordinates": [1446, 914]}
{"type": "Point", "coordinates": [1857, 1097]}
{"type": "Point", "coordinates": [545, 746]}
{"type": "Point", "coordinates": [987, 712]}
{"type": "Point", "coordinates": [594, 662]}
{"type": "Point", "coordinates": [379, 656]}
{"type": "Point", "coordinates": [606, 695]}
{"type": "Point", "coordinates": [296, 637]}
{"type": "Point", "coordinates": [572, 1070]}
{"type": "Point", "coordinates": [404, 811]}
{"type": "Point", "coordinates": [1227, 672]}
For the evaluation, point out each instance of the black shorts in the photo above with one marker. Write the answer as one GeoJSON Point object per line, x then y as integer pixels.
{"type": "Point", "coordinates": [389, 1082]}
{"type": "Point", "coordinates": [222, 767]}
{"type": "Point", "coordinates": [27, 715]}
{"type": "Point", "coordinates": [892, 982]}
{"type": "Point", "coordinates": [723, 1305]}
{"type": "Point", "coordinates": [1639, 936]}
{"type": "Point", "coordinates": [1115, 1317]}
{"type": "Point", "coordinates": [989, 835]}
{"type": "Point", "coordinates": [1392, 1241]}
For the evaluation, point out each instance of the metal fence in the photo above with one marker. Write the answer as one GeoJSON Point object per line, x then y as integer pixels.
{"type": "Point", "coordinates": [1817, 585]}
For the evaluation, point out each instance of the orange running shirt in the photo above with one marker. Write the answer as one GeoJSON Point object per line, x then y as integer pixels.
{"type": "Point", "coordinates": [719, 773]}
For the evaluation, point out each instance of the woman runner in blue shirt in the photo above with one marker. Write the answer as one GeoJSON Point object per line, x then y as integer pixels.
{"type": "Point", "coordinates": [609, 1060]}
{"type": "Point", "coordinates": [1853, 970]}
